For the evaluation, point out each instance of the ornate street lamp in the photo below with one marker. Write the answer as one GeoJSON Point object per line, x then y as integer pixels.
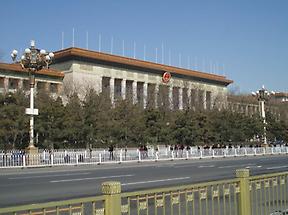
{"type": "Point", "coordinates": [33, 60]}
{"type": "Point", "coordinates": [263, 96]}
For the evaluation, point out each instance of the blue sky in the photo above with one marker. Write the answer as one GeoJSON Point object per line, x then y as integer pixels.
{"type": "Point", "coordinates": [246, 40]}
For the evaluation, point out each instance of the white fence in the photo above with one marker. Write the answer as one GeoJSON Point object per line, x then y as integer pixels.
{"type": "Point", "coordinates": [16, 159]}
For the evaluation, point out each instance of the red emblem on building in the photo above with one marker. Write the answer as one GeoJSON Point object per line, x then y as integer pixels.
{"type": "Point", "coordinates": [166, 77]}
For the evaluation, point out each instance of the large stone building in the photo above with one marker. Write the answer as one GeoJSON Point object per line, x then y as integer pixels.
{"type": "Point", "coordinates": [140, 81]}
{"type": "Point", "coordinates": [144, 83]}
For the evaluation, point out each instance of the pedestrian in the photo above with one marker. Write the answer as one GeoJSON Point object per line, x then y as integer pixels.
{"type": "Point", "coordinates": [176, 150]}
{"type": "Point", "coordinates": [111, 149]}
{"type": "Point", "coordinates": [90, 151]}
{"type": "Point", "coordinates": [181, 150]}
{"type": "Point", "coordinates": [125, 152]}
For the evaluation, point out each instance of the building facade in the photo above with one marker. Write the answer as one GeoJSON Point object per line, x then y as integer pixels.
{"type": "Point", "coordinates": [13, 78]}
{"type": "Point", "coordinates": [280, 97]}
{"type": "Point", "coordinates": [144, 83]}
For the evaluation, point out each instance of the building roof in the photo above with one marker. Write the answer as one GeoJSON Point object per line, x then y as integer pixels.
{"type": "Point", "coordinates": [281, 94]}
{"type": "Point", "coordinates": [99, 56]}
{"type": "Point", "coordinates": [16, 67]}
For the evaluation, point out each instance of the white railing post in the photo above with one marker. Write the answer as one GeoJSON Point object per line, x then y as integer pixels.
{"type": "Point", "coordinates": [85, 154]}
{"type": "Point", "coordinates": [172, 155]}
{"type": "Point", "coordinates": [100, 158]}
{"type": "Point", "coordinates": [24, 160]}
{"type": "Point", "coordinates": [139, 156]}
{"type": "Point", "coordinates": [187, 154]}
{"type": "Point", "coordinates": [255, 152]}
{"type": "Point", "coordinates": [272, 151]}
{"type": "Point", "coordinates": [235, 152]}
{"type": "Point", "coordinates": [225, 153]}
{"type": "Point", "coordinates": [157, 156]}
{"type": "Point", "coordinates": [201, 154]}
{"type": "Point", "coordinates": [52, 159]}
{"type": "Point", "coordinates": [286, 150]}
{"type": "Point", "coordinates": [245, 152]}
{"type": "Point", "coordinates": [264, 151]}
{"type": "Point", "coordinates": [121, 159]}
{"type": "Point", "coordinates": [213, 153]}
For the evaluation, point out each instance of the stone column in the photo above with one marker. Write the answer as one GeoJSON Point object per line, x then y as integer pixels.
{"type": "Point", "coordinates": [145, 94]}
{"type": "Point", "coordinates": [204, 100]}
{"type": "Point", "coordinates": [232, 107]}
{"type": "Point", "coordinates": [134, 92]}
{"type": "Point", "coordinates": [47, 87]}
{"type": "Point", "coordinates": [20, 84]}
{"type": "Point", "coordinates": [111, 86]}
{"type": "Point", "coordinates": [59, 88]}
{"type": "Point", "coordinates": [6, 85]}
{"type": "Point", "coordinates": [197, 99]}
{"type": "Point", "coordinates": [246, 110]}
{"type": "Point", "coordinates": [180, 98]}
{"type": "Point", "coordinates": [189, 98]}
{"type": "Point", "coordinates": [99, 84]}
{"type": "Point", "coordinates": [123, 89]}
{"type": "Point", "coordinates": [170, 97]}
{"type": "Point", "coordinates": [156, 95]}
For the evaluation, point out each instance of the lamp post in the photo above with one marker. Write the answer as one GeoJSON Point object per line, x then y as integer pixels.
{"type": "Point", "coordinates": [262, 96]}
{"type": "Point", "coordinates": [33, 60]}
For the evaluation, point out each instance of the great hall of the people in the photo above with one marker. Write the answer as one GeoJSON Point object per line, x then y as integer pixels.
{"type": "Point", "coordinates": [144, 83]}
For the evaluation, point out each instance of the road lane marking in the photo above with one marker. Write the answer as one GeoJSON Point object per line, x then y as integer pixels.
{"type": "Point", "coordinates": [232, 166]}
{"type": "Point", "coordinates": [49, 176]}
{"type": "Point", "coordinates": [207, 166]}
{"type": "Point", "coordinates": [276, 167]}
{"type": "Point", "coordinates": [154, 181]}
{"type": "Point", "coordinates": [250, 167]}
{"type": "Point", "coordinates": [94, 178]}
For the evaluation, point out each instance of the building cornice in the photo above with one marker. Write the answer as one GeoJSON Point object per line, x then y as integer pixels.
{"type": "Point", "coordinates": [69, 53]}
{"type": "Point", "coordinates": [16, 67]}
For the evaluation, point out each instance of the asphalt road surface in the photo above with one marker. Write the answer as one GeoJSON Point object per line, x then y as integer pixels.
{"type": "Point", "coordinates": [27, 186]}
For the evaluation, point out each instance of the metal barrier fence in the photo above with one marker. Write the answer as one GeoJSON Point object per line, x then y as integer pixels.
{"type": "Point", "coordinates": [44, 158]}
{"type": "Point", "coordinates": [244, 195]}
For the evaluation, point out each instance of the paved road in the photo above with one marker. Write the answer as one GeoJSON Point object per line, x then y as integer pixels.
{"type": "Point", "coordinates": [23, 186]}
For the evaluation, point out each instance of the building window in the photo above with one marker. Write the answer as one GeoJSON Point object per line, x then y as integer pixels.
{"type": "Point", "coordinates": [106, 86]}
{"type": "Point", "coordinates": [193, 98]}
{"type": "Point", "coordinates": [54, 88]}
{"type": "Point", "coordinates": [26, 84]}
{"type": "Point", "coordinates": [151, 96]}
{"type": "Point", "coordinates": [201, 100]}
{"type": "Point", "coordinates": [185, 98]}
{"type": "Point", "coordinates": [140, 86]}
{"type": "Point", "coordinates": [41, 85]}
{"type": "Point", "coordinates": [175, 98]}
{"type": "Point", "coordinates": [163, 97]}
{"type": "Point", "coordinates": [208, 100]}
{"type": "Point", "coordinates": [129, 91]}
{"type": "Point", "coordinates": [13, 84]}
{"type": "Point", "coordinates": [1, 82]}
{"type": "Point", "coordinates": [117, 89]}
